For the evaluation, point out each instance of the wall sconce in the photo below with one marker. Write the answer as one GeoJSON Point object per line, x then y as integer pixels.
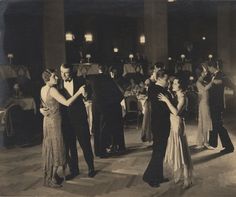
{"type": "Point", "coordinates": [191, 78]}
{"type": "Point", "coordinates": [115, 50]}
{"type": "Point", "coordinates": [203, 38]}
{"type": "Point", "coordinates": [169, 58]}
{"type": "Point", "coordinates": [182, 57]}
{"type": "Point", "coordinates": [210, 56]}
{"type": "Point", "coordinates": [131, 56]}
{"type": "Point", "coordinates": [10, 57]}
{"type": "Point", "coordinates": [88, 56]}
{"type": "Point", "coordinates": [69, 36]}
{"type": "Point", "coordinates": [142, 39]}
{"type": "Point", "coordinates": [88, 37]}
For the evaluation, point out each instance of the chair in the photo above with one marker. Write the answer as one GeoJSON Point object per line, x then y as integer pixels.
{"type": "Point", "coordinates": [132, 111]}
{"type": "Point", "coordinates": [19, 126]}
{"type": "Point", "coordinates": [13, 125]}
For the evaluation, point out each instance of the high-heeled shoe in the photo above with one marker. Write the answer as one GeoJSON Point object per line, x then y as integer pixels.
{"type": "Point", "coordinates": [59, 179]}
{"type": "Point", "coordinates": [207, 146]}
{"type": "Point", "coordinates": [53, 183]}
{"type": "Point", "coordinates": [187, 185]}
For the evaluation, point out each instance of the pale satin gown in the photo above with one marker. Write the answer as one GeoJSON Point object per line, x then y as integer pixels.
{"type": "Point", "coordinates": [178, 156]}
{"type": "Point", "coordinates": [204, 118]}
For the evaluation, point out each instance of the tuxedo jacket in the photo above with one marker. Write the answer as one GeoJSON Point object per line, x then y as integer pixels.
{"type": "Point", "coordinates": [76, 112]}
{"type": "Point", "coordinates": [160, 113]}
{"type": "Point", "coordinates": [105, 91]}
{"type": "Point", "coordinates": [216, 93]}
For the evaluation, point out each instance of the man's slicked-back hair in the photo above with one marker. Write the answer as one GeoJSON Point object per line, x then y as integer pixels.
{"type": "Point", "coordinates": [67, 66]}
{"type": "Point", "coordinates": [161, 74]}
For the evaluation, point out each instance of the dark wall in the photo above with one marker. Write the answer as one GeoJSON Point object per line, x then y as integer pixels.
{"type": "Point", "coordinates": [108, 32]}
{"type": "Point", "coordinates": [24, 35]}
{"type": "Point", "coordinates": [187, 24]}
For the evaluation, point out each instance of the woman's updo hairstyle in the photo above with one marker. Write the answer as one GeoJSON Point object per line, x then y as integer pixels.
{"type": "Point", "coordinates": [47, 74]}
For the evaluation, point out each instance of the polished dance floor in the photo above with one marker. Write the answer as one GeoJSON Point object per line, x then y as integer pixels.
{"type": "Point", "coordinates": [121, 176]}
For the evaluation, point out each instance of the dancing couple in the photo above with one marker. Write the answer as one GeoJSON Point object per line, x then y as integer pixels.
{"type": "Point", "coordinates": [168, 128]}
{"type": "Point", "coordinates": [65, 119]}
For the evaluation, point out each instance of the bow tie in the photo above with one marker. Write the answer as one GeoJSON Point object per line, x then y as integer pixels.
{"type": "Point", "coordinates": [68, 80]}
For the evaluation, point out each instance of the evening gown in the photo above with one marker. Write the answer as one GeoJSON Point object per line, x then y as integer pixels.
{"type": "Point", "coordinates": [146, 135]}
{"type": "Point", "coordinates": [177, 152]}
{"type": "Point", "coordinates": [53, 149]}
{"type": "Point", "coordinates": [204, 118]}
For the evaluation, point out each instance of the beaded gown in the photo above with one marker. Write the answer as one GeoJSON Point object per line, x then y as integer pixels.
{"type": "Point", "coordinates": [53, 149]}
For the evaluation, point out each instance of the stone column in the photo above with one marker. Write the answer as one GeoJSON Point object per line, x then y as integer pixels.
{"type": "Point", "coordinates": [3, 7]}
{"type": "Point", "coordinates": [224, 34]}
{"type": "Point", "coordinates": [155, 27]}
{"type": "Point", "coordinates": [233, 37]}
{"type": "Point", "coordinates": [54, 33]}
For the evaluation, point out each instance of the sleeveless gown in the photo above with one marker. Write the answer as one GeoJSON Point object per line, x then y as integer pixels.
{"type": "Point", "coordinates": [177, 152]}
{"type": "Point", "coordinates": [204, 117]}
{"type": "Point", "coordinates": [53, 149]}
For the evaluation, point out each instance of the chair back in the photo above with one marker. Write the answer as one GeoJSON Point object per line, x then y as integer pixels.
{"type": "Point", "coordinates": [131, 103]}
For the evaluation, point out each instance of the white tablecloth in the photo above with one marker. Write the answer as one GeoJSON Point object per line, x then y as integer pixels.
{"type": "Point", "coordinates": [86, 69]}
{"type": "Point", "coordinates": [12, 71]}
{"type": "Point", "coordinates": [25, 103]}
{"type": "Point", "coordinates": [132, 68]}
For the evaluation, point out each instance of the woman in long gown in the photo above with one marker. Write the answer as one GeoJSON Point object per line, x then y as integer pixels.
{"type": "Point", "coordinates": [53, 150]}
{"type": "Point", "coordinates": [204, 118]}
{"type": "Point", "coordinates": [177, 152]}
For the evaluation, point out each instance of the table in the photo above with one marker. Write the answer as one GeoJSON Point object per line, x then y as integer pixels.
{"type": "Point", "coordinates": [86, 69]}
{"type": "Point", "coordinates": [132, 68]}
{"type": "Point", "coordinates": [26, 103]}
{"type": "Point", "coordinates": [13, 71]}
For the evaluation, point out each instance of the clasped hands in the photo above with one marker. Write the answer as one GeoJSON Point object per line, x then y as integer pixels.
{"type": "Point", "coordinates": [162, 97]}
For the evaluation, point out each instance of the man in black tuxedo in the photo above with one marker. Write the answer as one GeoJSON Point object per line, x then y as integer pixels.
{"type": "Point", "coordinates": [160, 124]}
{"type": "Point", "coordinates": [107, 114]}
{"type": "Point", "coordinates": [216, 102]}
{"type": "Point", "coordinates": [75, 124]}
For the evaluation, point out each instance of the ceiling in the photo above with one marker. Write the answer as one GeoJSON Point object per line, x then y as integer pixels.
{"type": "Point", "coordinates": [130, 8]}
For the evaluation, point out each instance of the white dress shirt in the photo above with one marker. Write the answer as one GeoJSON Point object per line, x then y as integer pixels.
{"type": "Point", "coordinates": [69, 86]}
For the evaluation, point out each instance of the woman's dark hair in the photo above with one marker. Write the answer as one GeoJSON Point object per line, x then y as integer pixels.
{"type": "Point", "coordinates": [183, 81]}
{"type": "Point", "coordinates": [47, 74]}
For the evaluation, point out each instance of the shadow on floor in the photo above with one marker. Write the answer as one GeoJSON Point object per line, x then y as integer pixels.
{"type": "Point", "coordinates": [133, 150]}
{"type": "Point", "coordinates": [207, 158]}
{"type": "Point", "coordinates": [194, 150]}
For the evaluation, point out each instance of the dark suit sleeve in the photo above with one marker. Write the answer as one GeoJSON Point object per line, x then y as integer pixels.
{"type": "Point", "coordinates": [151, 95]}
{"type": "Point", "coordinates": [114, 93]}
